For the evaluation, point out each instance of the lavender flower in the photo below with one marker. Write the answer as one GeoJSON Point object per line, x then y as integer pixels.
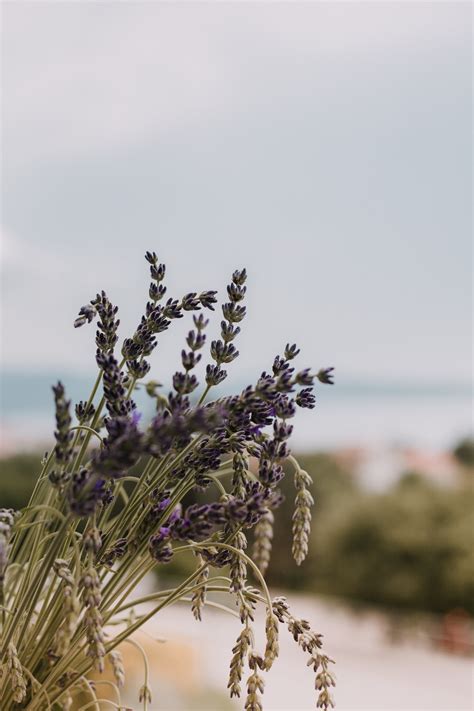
{"type": "Point", "coordinates": [132, 482]}
{"type": "Point", "coordinates": [63, 450]}
{"type": "Point", "coordinates": [106, 336]}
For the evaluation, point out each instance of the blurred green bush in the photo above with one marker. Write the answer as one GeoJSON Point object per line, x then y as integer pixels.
{"type": "Point", "coordinates": [18, 474]}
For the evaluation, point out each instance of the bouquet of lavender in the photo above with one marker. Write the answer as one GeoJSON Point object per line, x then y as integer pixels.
{"type": "Point", "coordinates": [108, 507]}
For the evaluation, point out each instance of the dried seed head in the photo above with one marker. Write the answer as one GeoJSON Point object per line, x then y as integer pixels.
{"type": "Point", "coordinates": [92, 540]}
{"type": "Point", "coordinates": [15, 670]}
{"type": "Point", "coordinates": [7, 518]}
{"type": "Point", "coordinates": [255, 684]}
{"type": "Point", "coordinates": [324, 680]}
{"type": "Point", "coordinates": [247, 606]}
{"type": "Point", "coordinates": [144, 695]}
{"type": "Point", "coordinates": [310, 642]}
{"type": "Point", "coordinates": [272, 648]}
{"type": "Point", "coordinates": [239, 652]}
{"type": "Point", "coordinates": [302, 516]}
{"type": "Point", "coordinates": [70, 613]}
{"type": "Point", "coordinates": [116, 660]}
{"type": "Point", "coordinates": [262, 546]}
{"type": "Point", "coordinates": [199, 594]}
{"type": "Point", "coordinates": [238, 566]}
{"type": "Point", "coordinates": [93, 618]}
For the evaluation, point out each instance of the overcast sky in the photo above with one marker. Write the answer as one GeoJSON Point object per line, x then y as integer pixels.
{"type": "Point", "coordinates": [325, 146]}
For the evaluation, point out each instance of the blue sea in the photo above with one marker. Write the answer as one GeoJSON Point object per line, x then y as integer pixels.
{"type": "Point", "coordinates": [352, 413]}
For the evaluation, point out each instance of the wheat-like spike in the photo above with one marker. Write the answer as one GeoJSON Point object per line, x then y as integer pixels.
{"type": "Point", "coordinates": [310, 642]}
{"type": "Point", "coordinates": [239, 652]}
{"type": "Point", "coordinates": [17, 679]}
{"type": "Point", "coordinates": [116, 660]}
{"type": "Point", "coordinates": [93, 618]}
{"type": "Point", "coordinates": [302, 516]}
{"type": "Point", "coordinates": [272, 647]}
{"type": "Point", "coordinates": [71, 611]}
{"type": "Point", "coordinates": [238, 567]}
{"type": "Point", "coordinates": [255, 684]}
{"type": "Point", "coordinates": [263, 537]}
{"type": "Point", "coordinates": [199, 595]}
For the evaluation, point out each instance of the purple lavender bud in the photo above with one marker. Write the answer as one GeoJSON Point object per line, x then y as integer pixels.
{"type": "Point", "coordinates": [116, 551]}
{"type": "Point", "coordinates": [291, 351]}
{"type": "Point", "coordinates": [172, 309]}
{"type": "Point", "coordinates": [284, 407]}
{"type": "Point", "coordinates": [106, 335]}
{"type": "Point", "coordinates": [63, 434]}
{"type": "Point", "coordinates": [195, 340]}
{"type": "Point", "coordinates": [236, 293]}
{"type": "Point", "coordinates": [159, 547]}
{"type": "Point", "coordinates": [190, 360]}
{"type": "Point", "coordinates": [114, 385]}
{"type": "Point", "coordinates": [86, 315]}
{"type": "Point", "coordinates": [305, 398]}
{"type": "Point", "coordinates": [84, 412]}
{"type": "Point", "coordinates": [304, 377]}
{"type": "Point", "coordinates": [85, 493]}
{"type": "Point", "coordinates": [190, 302]}
{"type": "Point", "coordinates": [122, 448]}
{"type": "Point", "coordinates": [265, 387]}
{"type": "Point", "coordinates": [156, 291]}
{"type": "Point", "coordinates": [200, 322]}
{"type": "Point", "coordinates": [280, 366]}
{"type": "Point", "coordinates": [282, 431]}
{"type": "Point", "coordinates": [157, 272]}
{"type": "Point", "coordinates": [184, 383]}
{"type": "Point", "coordinates": [131, 349]}
{"type": "Point", "coordinates": [158, 320]}
{"type": "Point", "coordinates": [151, 257]}
{"type": "Point", "coordinates": [325, 376]}
{"type": "Point", "coordinates": [270, 474]}
{"type": "Point", "coordinates": [138, 368]}
{"type": "Point", "coordinates": [284, 383]}
{"type": "Point", "coordinates": [233, 312]}
{"type": "Point", "coordinates": [229, 331]}
{"type": "Point", "coordinates": [207, 299]}
{"type": "Point", "coordinates": [223, 352]}
{"type": "Point", "coordinates": [199, 522]}
{"type": "Point", "coordinates": [135, 417]}
{"type": "Point", "coordinates": [239, 277]}
{"type": "Point", "coordinates": [214, 375]}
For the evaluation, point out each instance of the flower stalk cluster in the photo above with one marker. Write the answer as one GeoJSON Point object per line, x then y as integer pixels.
{"type": "Point", "coordinates": [112, 503]}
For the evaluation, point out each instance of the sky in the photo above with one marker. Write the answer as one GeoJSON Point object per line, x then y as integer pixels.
{"type": "Point", "coordinates": [324, 146]}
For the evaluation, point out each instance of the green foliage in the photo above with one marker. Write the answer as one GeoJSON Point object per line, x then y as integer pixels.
{"type": "Point", "coordinates": [17, 479]}
{"type": "Point", "coordinates": [464, 452]}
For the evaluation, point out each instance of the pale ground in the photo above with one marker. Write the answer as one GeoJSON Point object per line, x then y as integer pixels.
{"type": "Point", "coordinates": [190, 670]}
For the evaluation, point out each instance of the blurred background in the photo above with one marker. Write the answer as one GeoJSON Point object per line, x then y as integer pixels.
{"type": "Point", "coordinates": [327, 148]}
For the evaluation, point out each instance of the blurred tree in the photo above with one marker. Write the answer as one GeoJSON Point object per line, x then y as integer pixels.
{"type": "Point", "coordinates": [464, 452]}
{"type": "Point", "coordinates": [18, 475]}
{"type": "Point", "coordinates": [410, 548]}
